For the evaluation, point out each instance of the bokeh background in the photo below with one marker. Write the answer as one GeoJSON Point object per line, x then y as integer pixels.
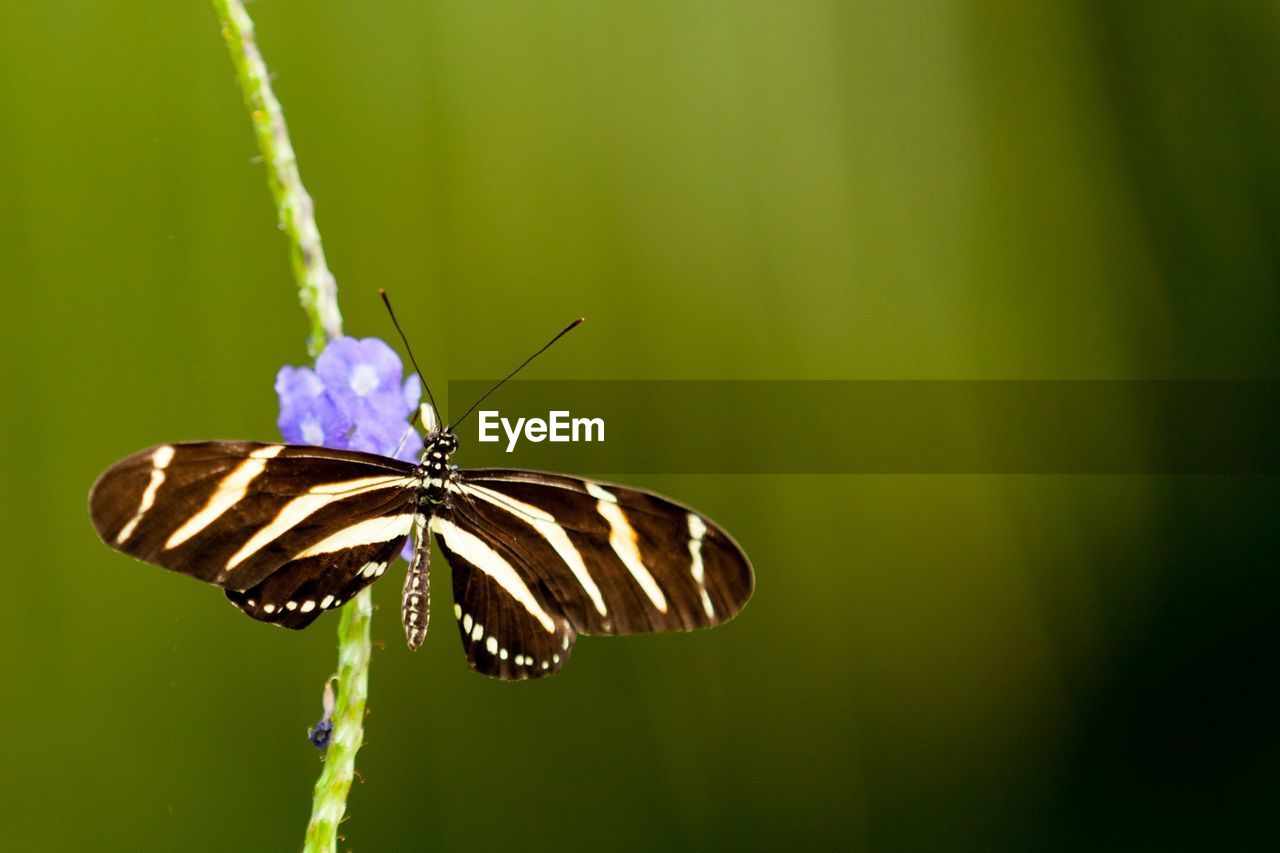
{"type": "Point", "coordinates": [727, 189]}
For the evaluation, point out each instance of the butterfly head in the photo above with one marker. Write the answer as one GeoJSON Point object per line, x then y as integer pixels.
{"type": "Point", "coordinates": [442, 443]}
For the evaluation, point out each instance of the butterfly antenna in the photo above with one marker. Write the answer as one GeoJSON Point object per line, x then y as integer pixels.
{"type": "Point", "coordinates": [387, 302]}
{"type": "Point", "coordinates": [500, 382]}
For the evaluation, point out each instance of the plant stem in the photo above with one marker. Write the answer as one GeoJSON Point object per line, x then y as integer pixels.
{"type": "Point", "coordinates": [330, 800]}
{"type": "Point", "coordinates": [318, 293]}
{"type": "Point", "coordinates": [317, 290]}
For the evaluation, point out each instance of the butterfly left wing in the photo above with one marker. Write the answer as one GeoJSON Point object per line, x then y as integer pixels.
{"type": "Point", "coordinates": [287, 531]}
{"type": "Point", "coordinates": [539, 558]}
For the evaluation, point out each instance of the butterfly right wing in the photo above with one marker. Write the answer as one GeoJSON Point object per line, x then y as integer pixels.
{"type": "Point", "coordinates": [539, 558]}
{"type": "Point", "coordinates": [273, 525]}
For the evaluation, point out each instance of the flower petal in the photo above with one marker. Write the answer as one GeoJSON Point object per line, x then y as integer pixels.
{"type": "Point", "coordinates": [376, 436]}
{"type": "Point", "coordinates": [353, 369]}
{"type": "Point", "coordinates": [412, 392]}
{"type": "Point", "coordinates": [315, 420]}
{"type": "Point", "coordinates": [334, 364]}
{"type": "Point", "coordinates": [353, 399]}
{"type": "Point", "coordinates": [297, 383]}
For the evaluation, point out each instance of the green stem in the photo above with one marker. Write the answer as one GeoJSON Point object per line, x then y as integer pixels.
{"type": "Point", "coordinates": [318, 293]}
{"type": "Point", "coordinates": [317, 290]}
{"type": "Point", "coordinates": [330, 800]}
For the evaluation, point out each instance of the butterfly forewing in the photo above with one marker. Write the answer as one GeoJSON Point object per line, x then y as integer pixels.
{"type": "Point", "coordinates": [269, 523]}
{"type": "Point", "coordinates": [543, 557]}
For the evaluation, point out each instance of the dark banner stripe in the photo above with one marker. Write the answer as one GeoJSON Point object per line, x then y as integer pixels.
{"type": "Point", "coordinates": [888, 427]}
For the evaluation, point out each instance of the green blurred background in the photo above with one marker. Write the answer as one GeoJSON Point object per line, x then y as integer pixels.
{"type": "Point", "coordinates": [726, 189]}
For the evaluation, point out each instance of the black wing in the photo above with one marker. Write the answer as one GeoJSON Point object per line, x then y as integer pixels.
{"type": "Point", "coordinates": [539, 558]}
{"type": "Point", "coordinates": [288, 531]}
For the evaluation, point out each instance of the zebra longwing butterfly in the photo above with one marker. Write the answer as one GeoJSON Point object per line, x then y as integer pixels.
{"type": "Point", "coordinates": [291, 531]}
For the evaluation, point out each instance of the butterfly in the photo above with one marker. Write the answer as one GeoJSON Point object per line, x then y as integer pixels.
{"type": "Point", "coordinates": [289, 532]}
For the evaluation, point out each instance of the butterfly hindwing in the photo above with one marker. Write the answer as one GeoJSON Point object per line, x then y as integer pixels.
{"type": "Point", "coordinates": [266, 522]}
{"type": "Point", "coordinates": [297, 593]}
{"type": "Point", "coordinates": [511, 627]}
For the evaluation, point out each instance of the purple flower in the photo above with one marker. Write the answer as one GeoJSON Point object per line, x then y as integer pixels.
{"type": "Point", "coordinates": [308, 413]}
{"type": "Point", "coordinates": [354, 399]}
{"type": "Point", "coordinates": [364, 378]}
